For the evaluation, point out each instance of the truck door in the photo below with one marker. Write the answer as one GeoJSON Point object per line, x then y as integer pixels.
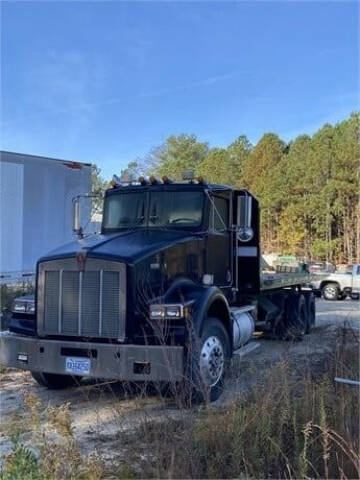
{"type": "Point", "coordinates": [356, 279]}
{"type": "Point", "coordinates": [219, 250]}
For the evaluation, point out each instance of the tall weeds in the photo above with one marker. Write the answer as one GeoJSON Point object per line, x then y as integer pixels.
{"type": "Point", "coordinates": [298, 423]}
{"type": "Point", "coordinates": [293, 426]}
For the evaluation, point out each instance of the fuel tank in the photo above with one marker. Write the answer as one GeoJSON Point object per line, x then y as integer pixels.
{"type": "Point", "coordinates": [243, 325]}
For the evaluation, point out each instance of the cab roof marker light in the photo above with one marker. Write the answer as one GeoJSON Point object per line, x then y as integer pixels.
{"type": "Point", "coordinates": [143, 181]}
{"type": "Point", "coordinates": [153, 180]}
{"type": "Point", "coordinates": [115, 182]}
{"type": "Point", "coordinates": [166, 179]}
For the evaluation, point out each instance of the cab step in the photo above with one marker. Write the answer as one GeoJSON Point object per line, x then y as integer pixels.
{"type": "Point", "coordinates": [246, 349]}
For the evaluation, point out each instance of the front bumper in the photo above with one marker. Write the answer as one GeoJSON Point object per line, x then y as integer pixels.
{"type": "Point", "coordinates": [113, 361]}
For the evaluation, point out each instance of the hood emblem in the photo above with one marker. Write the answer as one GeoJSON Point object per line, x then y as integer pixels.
{"type": "Point", "coordinates": [81, 260]}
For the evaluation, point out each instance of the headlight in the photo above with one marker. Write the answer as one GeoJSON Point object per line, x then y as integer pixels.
{"type": "Point", "coordinates": [160, 312]}
{"type": "Point", "coordinates": [157, 311]}
{"type": "Point", "coordinates": [30, 307]}
{"type": "Point", "coordinates": [19, 307]}
{"type": "Point", "coordinates": [173, 311]}
{"type": "Point", "coordinates": [22, 306]}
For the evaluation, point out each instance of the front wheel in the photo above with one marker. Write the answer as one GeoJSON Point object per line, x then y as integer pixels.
{"type": "Point", "coordinates": [55, 381]}
{"type": "Point", "coordinates": [331, 291]}
{"type": "Point", "coordinates": [209, 359]}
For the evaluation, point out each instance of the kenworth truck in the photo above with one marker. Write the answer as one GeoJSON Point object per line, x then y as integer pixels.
{"type": "Point", "coordinates": [168, 291]}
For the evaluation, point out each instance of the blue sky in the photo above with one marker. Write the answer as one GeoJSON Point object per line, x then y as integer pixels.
{"type": "Point", "coordinates": [105, 82]}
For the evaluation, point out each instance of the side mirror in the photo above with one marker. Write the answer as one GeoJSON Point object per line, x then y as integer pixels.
{"type": "Point", "coordinates": [77, 228]}
{"type": "Point", "coordinates": [244, 229]}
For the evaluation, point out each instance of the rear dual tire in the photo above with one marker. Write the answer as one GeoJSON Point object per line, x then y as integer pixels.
{"type": "Point", "coordinates": [297, 317]}
{"type": "Point", "coordinates": [311, 311]}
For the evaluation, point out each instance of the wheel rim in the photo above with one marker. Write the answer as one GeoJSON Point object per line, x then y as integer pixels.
{"type": "Point", "coordinates": [330, 292]}
{"type": "Point", "coordinates": [212, 361]}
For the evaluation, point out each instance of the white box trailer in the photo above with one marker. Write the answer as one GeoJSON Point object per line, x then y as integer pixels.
{"type": "Point", "coordinates": [35, 209]}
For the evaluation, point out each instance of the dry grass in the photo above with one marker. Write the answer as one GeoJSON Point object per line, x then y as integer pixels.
{"type": "Point", "coordinates": [295, 425]}
{"type": "Point", "coordinates": [298, 423]}
{"type": "Point", "coordinates": [59, 418]}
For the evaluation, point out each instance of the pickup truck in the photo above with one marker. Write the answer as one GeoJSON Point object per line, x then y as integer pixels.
{"type": "Point", "coordinates": [337, 286]}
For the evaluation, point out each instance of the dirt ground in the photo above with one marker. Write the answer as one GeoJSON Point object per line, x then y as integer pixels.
{"type": "Point", "coordinates": [100, 413]}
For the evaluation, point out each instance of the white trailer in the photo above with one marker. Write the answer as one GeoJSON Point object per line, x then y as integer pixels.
{"type": "Point", "coordinates": [35, 209]}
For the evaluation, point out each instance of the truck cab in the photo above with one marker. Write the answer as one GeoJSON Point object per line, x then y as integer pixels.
{"type": "Point", "coordinates": [166, 293]}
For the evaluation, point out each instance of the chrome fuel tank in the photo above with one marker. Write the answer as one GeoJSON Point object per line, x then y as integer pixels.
{"type": "Point", "coordinates": [243, 325]}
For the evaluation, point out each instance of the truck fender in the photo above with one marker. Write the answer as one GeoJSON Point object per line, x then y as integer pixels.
{"type": "Point", "coordinates": [212, 303]}
{"type": "Point", "coordinates": [203, 302]}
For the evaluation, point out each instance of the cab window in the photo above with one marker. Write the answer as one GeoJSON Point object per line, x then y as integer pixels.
{"type": "Point", "coordinates": [220, 213]}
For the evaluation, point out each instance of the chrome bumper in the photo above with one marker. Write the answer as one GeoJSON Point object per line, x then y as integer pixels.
{"type": "Point", "coordinates": [113, 361]}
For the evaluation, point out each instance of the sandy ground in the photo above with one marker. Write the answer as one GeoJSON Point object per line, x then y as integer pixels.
{"type": "Point", "coordinates": [101, 413]}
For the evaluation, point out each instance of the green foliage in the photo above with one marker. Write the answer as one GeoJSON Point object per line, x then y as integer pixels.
{"type": "Point", "coordinates": [21, 464]}
{"type": "Point", "coordinates": [179, 154]}
{"type": "Point", "coordinates": [225, 166]}
{"type": "Point", "coordinates": [308, 189]}
{"type": "Point", "coordinates": [98, 187]}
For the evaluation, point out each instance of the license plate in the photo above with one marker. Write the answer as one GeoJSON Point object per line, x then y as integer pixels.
{"type": "Point", "coordinates": [79, 366]}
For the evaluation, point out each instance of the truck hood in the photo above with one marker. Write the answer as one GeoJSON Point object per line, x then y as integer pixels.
{"type": "Point", "coordinates": [129, 247]}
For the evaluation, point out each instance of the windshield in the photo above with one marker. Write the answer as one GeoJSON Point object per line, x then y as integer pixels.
{"type": "Point", "coordinates": [153, 209]}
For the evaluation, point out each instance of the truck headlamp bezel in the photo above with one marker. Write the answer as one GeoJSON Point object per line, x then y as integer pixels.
{"type": "Point", "coordinates": [173, 311]}
{"type": "Point", "coordinates": [23, 306]}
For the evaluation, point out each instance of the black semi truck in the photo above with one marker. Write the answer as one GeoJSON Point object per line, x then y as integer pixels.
{"type": "Point", "coordinates": [168, 291]}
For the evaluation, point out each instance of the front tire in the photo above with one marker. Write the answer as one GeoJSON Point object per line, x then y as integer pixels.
{"type": "Point", "coordinates": [209, 359]}
{"type": "Point", "coordinates": [331, 292]}
{"type": "Point", "coordinates": [54, 381]}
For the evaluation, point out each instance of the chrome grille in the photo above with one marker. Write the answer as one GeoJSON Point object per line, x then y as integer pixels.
{"type": "Point", "coordinates": [87, 303]}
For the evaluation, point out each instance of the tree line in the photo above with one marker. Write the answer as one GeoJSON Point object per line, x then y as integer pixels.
{"type": "Point", "coordinates": [308, 188]}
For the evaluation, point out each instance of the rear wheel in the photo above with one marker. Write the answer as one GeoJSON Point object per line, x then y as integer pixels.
{"type": "Point", "coordinates": [55, 381]}
{"type": "Point", "coordinates": [297, 320]}
{"type": "Point", "coordinates": [311, 312]}
{"type": "Point", "coordinates": [331, 291]}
